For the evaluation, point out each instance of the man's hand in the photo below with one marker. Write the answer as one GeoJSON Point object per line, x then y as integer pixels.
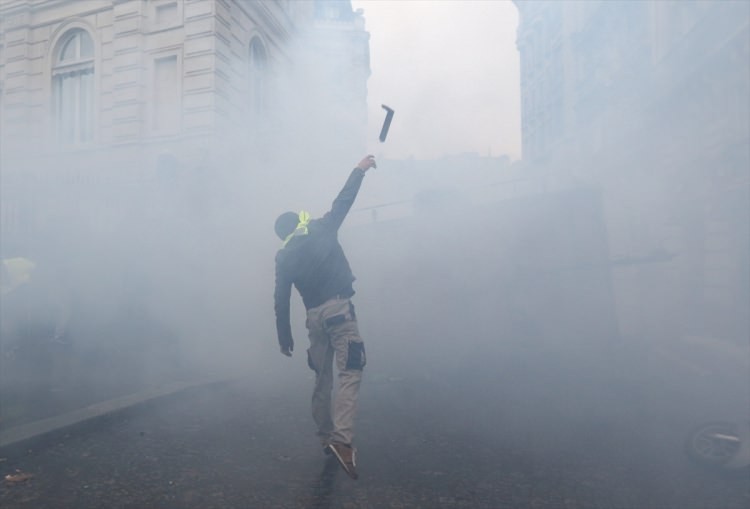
{"type": "Point", "coordinates": [288, 348]}
{"type": "Point", "coordinates": [367, 163]}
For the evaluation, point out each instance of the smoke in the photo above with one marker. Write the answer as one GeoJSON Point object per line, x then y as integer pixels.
{"type": "Point", "coordinates": [450, 69]}
{"type": "Point", "coordinates": [155, 259]}
{"type": "Point", "coordinates": [577, 295]}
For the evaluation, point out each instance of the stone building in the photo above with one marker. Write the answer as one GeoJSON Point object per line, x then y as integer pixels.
{"type": "Point", "coordinates": [648, 102]}
{"type": "Point", "coordinates": [98, 89]}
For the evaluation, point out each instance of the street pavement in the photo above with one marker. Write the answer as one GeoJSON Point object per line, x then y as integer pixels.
{"type": "Point", "coordinates": [517, 431]}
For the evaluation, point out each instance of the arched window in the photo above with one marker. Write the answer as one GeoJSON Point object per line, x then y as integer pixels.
{"type": "Point", "coordinates": [73, 87]}
{"type": "Point", "coordinates": [258, 71]}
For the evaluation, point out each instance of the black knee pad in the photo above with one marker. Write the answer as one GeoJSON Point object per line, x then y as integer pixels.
{"type": "Point", "coordinates": [356, 358]}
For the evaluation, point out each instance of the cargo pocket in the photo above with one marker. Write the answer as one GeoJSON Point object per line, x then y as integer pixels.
{"type": "Point", "coordinates": [356, 358]}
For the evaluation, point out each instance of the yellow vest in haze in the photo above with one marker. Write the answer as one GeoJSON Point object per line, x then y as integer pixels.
{"type": "Point", "coordinates": [16, 273]}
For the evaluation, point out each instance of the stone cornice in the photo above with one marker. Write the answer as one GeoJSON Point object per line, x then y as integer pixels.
{"type": "Point", "coordinates": [12, 16]}
{"type": "Point", "coordinates": [11, 8]}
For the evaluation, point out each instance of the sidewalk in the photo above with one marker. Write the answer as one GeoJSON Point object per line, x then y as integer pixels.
{"type": "Point", "coordinates": [27, 432]}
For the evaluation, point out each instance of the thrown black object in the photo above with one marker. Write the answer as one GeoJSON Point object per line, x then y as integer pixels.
{"type": "Point", "coordinates": [386, 122]}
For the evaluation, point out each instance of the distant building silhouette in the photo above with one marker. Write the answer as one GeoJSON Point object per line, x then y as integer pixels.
{"type": "Point", "coordinates": [648, 101]}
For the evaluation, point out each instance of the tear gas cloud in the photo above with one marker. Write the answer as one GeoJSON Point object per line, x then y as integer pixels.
{"type": "Point", "coordinates": [156, 259]}
{"type": "Point", "coordinates": [451, 71]}
{"type": "Point", "coordinates": [560, 291]}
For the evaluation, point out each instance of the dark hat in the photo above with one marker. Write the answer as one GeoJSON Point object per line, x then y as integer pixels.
{"type": "Point", "coordinates": [286, 223]}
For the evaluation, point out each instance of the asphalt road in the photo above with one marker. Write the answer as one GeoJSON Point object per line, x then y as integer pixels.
{"type": "Point", "coordinates": [469, 435]}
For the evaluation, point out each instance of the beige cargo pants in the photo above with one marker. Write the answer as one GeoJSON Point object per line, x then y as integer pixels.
{"type": "Point", "coordinates": [332, 329]}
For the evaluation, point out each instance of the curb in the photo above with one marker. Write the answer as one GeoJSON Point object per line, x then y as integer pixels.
{"type": "Point", "coordinates": [37, 429]}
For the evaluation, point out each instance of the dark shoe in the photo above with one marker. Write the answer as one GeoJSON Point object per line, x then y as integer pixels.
{"type": "Point", "coordinates": [327, 450]}
{"type": "Point", "coordinates": [345, 455]}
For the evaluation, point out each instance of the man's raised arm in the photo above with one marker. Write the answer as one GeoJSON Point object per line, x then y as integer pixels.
{"type": "Point", "coordinates": [348, 193]}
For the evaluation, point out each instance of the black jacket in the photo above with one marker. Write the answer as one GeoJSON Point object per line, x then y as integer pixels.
{"type": "Point", "coordinates": [315, 263]}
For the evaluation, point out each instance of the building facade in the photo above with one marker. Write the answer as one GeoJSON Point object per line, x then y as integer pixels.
{"type": "Point", "coordinates": [648, 102]}
{"type": "Point", "coordinates": [105, 88]}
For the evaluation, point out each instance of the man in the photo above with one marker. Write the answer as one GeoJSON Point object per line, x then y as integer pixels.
{"type": "Point", "coordinates": [313, 261]}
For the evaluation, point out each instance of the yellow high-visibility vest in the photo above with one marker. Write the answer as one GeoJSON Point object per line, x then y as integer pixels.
{"type": "Point", "coordinates": [16, 272]}
{"type": "Point", "coordinates": [304, 220]}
